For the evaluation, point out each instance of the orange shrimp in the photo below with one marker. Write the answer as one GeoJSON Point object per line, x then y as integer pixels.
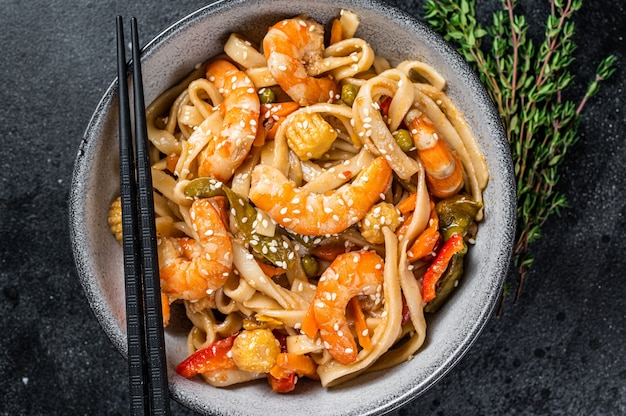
{"type": "Point", "coordinates": [444, 171]}
{"type": "Point", "coordinates": [309, 213]}
{"type": "Point", "coordinates": [350, 274]}
{"type": "Point", "coordinates": [190, 269]}
{"type": "Point", "coordinates": [241, 108]}
{"type": "Point", "coordinates": [290, 46]}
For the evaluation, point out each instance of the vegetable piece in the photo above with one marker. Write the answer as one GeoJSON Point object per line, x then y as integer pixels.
{"type": "Point", "coordinates": [165, 309]}
{"type": "Point", "coordinates": [171, 161]}
{"type": "Point", "coordinates": [427, 241]}
{"type": "Point", "coordinates": [404, 140]}
{"type": "Point", "coordinates": [267, 96]}
{"type": "Point", "coordinates": [255, 350]}
{"type": "Point", "coordinates": [456, 214]}
{"type": "Point", "coordinates": [284, 375]}
{"type": "Point", "coordinates": [270, 118]}
{"type": "Point", "coordinates": [360, 325]}
{"type": "Point", "coordinates": [115, 218]}
{"type": "Point", "coordinates": [309, 135]}
{"type": "Point", "coordinates": [289, 363]}
{"type": "Point", "coordinates": [425, 244]}
{"type": "Point", "coordinates": [349, 93]}
{"type": "Point", "coordinates": [336, 32]}
{"type": "Point", "coordinates": [380, 215]}
{"type": "Point", "coordinates": [271, 249]}
{"type": "Point", "coordinates": [407, 205]}
{"type": "Point", "coordinates": [453, 245]}
{"type": "Point", "coordinates": [384, 105]}
{"type": "Point", "coordinates": [269, 270]}
{"type": "Point", "coordinates": [310, 265]}
{"type": "Point", "coordinates": [447, 282]}
{"type": "Point", "coordinates": [309, 325]}
{"type": "Point", "coordinates": [212, 358]}
{"type": "Point", "coordinates": [282, 385]}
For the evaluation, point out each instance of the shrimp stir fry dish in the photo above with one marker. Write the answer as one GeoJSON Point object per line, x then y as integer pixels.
{"type": "Point", "coordinates": [313, 204]}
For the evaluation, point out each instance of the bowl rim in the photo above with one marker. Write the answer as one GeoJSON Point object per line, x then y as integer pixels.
{"type": "Point", "coordinates": [77, 209]}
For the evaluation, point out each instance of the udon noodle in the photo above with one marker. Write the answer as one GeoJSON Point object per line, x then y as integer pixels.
{"type": "Point", "coordinates": [312, 204]}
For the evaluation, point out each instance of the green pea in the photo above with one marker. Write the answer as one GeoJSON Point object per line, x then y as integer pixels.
{"type": "Point", "coordinates": [348, 93]}
{"type": "Point", "coordinates": [309, 264]}
{"type": "Point", "coordinates": [404, 140]}
{"type": "Point", "coordinates": [267, 96]}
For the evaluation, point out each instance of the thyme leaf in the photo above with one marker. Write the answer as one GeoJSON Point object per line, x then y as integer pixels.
{"type": "Point", "coordinates": [526, 82]}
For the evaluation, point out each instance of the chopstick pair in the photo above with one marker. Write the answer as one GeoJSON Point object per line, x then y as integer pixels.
{"type": "Point", "coordinates": [144, 322]}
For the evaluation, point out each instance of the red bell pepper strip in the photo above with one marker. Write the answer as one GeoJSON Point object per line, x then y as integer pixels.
{"type": "Point", "coordinates": [212, 358]}
{"type": "Point", "coordinates": [284, 384]}
{"type": "Point", "coordinates": [384, 105]}
{"type": "Point", "coordinates": [438, 267]}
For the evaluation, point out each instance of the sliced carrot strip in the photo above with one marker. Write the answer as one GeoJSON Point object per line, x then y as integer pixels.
{"type": "Point", "coordinates": [171, 161]}
{"type": "Point", "coordinates": [309, 325]}
{"type": "Point", "coordinates": [424, 245]}
{"type": "Point", "coordinates": [407, 204]}
{"type": "Point", "coordinates": [359, 323]}
{"type": "Point", "coordinates": [269, 270]}
{"type": "Point", "coordinates": [288, 363]}
{"type": "Point", "coordinates": [336, 32]}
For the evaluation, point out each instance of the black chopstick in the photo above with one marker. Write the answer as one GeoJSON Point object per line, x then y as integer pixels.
{"type": "Point", "coordinates": [146, 345]}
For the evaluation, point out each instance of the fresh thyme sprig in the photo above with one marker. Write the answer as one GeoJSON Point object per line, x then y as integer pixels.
{"type": "Point", "coordinates": [526, 83]}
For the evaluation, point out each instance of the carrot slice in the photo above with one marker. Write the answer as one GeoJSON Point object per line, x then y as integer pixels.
{"type": "Point", "coordinates": [336, 32]}
{"type": "Point", "coordinates": [424, 245]}
{"type": "Point", "coordinates": [309, 325]}
{"type": "Point", "coordinates": [407, 204]}
{"type": "Point", "coordinates": [288, 363]}
{"type": "Point", "coordinates": [359, 323]}
{"type": "Point", "coordinates": [269, 270]}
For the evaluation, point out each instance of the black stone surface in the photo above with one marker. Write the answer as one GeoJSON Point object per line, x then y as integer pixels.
{"type": "Point", "coordinates": [559, 351]}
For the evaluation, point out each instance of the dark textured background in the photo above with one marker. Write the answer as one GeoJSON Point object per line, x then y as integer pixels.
{"type": "Point", "coordinates": [560, 350]}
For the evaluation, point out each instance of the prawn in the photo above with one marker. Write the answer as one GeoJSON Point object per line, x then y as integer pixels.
{"type": "Point", "coordinates": [290, 46]}
{"type": "Point", "coordinates": [444, 171]}
{"type": "Point", "coordinates": [189, 268]}
{"type": "Point", "coordinates": [358, 273]}
{"type": "Point", "coordinates": [241, 109]}
{"type": "Point", "coordinates": [309, 213]}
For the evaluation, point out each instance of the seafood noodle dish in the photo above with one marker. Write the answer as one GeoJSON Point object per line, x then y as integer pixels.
{"type": "Point", "coordinates": [314, 203]}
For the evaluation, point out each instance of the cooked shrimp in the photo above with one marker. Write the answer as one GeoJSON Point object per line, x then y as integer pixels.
{"type": "Point", "coordinates": [190, 269]}
{"type": "Point", "coordinates": [444, 171]}
{"type": "Point", "coordinates": [241, 109]}
{"type": "Point", "coordinates": [310, 213]}
{"type": "Point", "coordinates": [291, 46]}
{"type": "Point", "coordinates": [350, 274]}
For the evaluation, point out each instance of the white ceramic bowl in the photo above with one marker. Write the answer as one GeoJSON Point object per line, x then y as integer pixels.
{"type": "Point", "coordinates": [201, 35]}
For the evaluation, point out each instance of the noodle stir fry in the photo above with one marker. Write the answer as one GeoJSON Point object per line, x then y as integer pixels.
{"type": "Point", "coordinates": [313, 202]}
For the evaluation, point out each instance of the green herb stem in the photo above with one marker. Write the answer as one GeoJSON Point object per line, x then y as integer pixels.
{"type": "Point", "coordinates": [526, 83]}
